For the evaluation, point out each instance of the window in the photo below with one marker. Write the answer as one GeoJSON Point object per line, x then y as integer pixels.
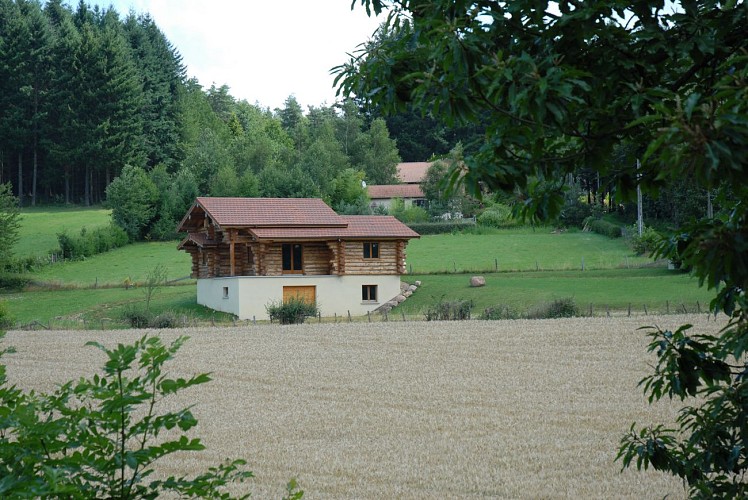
{"type": "Point", "coordinates": [369, 293]}
{"type": "Point", "coordinates": [225, 292]}
{"type": "Point", "coordinates": [371, 250]}
{"type": "Point", "coordinates": [292, 258]}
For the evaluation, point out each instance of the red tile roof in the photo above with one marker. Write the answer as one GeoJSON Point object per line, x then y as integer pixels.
{"type": "Point", "coordinates": [291, 218]}
{"type": "Point", "coordinates": [412, 172]}
{"type": "Point", "coordinates": [359, 226]}
{"type": "Point", "coordinates": [263, 212]}
{"type": "Point", "coordinates": [395, 191]}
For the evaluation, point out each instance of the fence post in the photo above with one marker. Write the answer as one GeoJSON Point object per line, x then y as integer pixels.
{"type": "Point", "coordinates": [254, 321]}
{"type": "Point", "coordinates": [403, 315]}
{"type": "Point", "coordinates": [607, 310]}
{"type": "Point", "coordinates": [645, 309]}
{"type": "Point", "coordinates": [698, 307]}
{"type": "Point", "coordinates": [349, 315]}
{"type": "Point", "coordinates": [336, 317]}
{"type": "Point", "coordinates": [590, 309]}
{"type": "Point", "coordinates": [629, 309]}
{"type": "Point", "coordinates": [368, 315]}
{"type": "Point", "coordinates": [386, 317]}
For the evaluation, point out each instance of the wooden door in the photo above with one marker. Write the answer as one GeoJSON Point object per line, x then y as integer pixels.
{"type": "Point", "coordinates": [306, 293]}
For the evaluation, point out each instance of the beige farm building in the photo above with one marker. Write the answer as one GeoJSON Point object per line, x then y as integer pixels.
{"type": "Point", "coordinates": [249, 252]}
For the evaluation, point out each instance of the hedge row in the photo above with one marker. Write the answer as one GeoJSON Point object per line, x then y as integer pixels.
{"type": "Point", "coordinates": [89, 243]}
{"type": "Point", "coordinates": [603, 227]}
{"type": "Point", "coordinates": [442, 227]}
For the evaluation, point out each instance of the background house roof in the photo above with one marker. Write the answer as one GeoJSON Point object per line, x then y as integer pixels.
{"type": "Point", "coordinates": [359, 227]}
{"type": "Point", "coordinates": [412, 172]}
{"type": "Point", "coordinates": [262, 212]}
{"type": "Point", "coordinates": [395, 191]}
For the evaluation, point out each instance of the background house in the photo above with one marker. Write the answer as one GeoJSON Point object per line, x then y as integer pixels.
{"type": "Point", "coordinates": [249, 252]}
{"type": "Point", "coordinates": [411, 174]}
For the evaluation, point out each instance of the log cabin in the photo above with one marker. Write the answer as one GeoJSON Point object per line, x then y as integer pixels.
{"type": "Point", "coordinates": [250, 252]}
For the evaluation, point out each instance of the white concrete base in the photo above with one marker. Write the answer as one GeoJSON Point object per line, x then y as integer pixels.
{"type": "Point", "coordinates": [247, 296]}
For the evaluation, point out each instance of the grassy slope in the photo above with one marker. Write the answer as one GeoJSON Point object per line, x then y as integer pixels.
{"type": "Point", "coordinates": [39, 226]}
{"type": "Point", "coordinates": [616, 288]}
{"type": "Point", "coordinates": [133, 261]}
{"type": "Point", "coordinates": [518, 250]}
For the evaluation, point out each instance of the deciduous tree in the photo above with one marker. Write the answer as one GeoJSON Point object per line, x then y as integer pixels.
{"type": "Point", "coordinates": [563, 84]}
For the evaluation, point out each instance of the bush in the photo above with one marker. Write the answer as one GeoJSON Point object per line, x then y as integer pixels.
{"type": "Point", "coordinates": [603, 227]}
{"type": "Point", "coordinates": [6, 321]}
{"type": "Point", "coordinates": [89, 243]}
{"type": "Point", "coordinates": [442, 227]}
{"type": "Point", "coordinates": [575, 213]}
{"type": "Point", "coordinates": [103, 437]}
{"type": "Point", "coordinates": [455, 310]}
{"type": "Point", "coordinates": [498, 216]}
{"type": "Point", "coordinates": [137, 317]}
{"type": "Point", "coordinates": [166, 319]}
{"type": "Point", "coordinates": [499, 312]}
{"type": "Point", "coordinates": [290, 312]}
{"type": "Point", "coordinates": [645, 243]}
{"type": "Point", "coordinates": [559, 308]}
{"type": "Point", "coordinates": [12, 281]}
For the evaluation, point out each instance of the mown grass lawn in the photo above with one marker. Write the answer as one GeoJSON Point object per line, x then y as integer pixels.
{"type": "Point", "coordinates": [113, 268]}
{"type": "Point", "coordinates": [614, 289]}
{"type": "Point", "coordinates": [40, 226]}
{"type": "Point", "coordinates": [520, 249]}
{"type": "Point", "coordinates": [102, 307]}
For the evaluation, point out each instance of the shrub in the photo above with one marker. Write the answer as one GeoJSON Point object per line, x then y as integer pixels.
{"type": "Point", "coordinates": [291, 311]}
{"type": "Point", "coordinates": [645, 243]}
{"type": "Point", "coordinates": [574, 213]}
{"type": "Point", "coordinates": [559, 308]}
{"type": "Point", "coordinates": [442, 227]}
{"type": "Point", "coordinates": [498, 216]}
{"type": "Point", "coordinates": [45, 452]}
{"type": "Point", "coordinates": [6, 321]}
{"type": "Point", "coordinates": [88, 243]}
{"type": "Point", "coordinates": [501, 311]}
{"type": "Point", "coordinates": [137, 317]}
{"type": "Point", "coordinates": [166, 319]}
{"type": "Point", "coordinates": [12, 281]}
{"type": "Point", "coordinates": [603, 227]}
{"type": "Point", "coordinates": [455, 310]}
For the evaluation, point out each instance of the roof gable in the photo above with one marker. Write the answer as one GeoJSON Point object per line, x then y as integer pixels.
{"type": "Point", "coordinates": [412, 172]}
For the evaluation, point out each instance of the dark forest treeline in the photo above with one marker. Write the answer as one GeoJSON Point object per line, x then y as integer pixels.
{"type": "Point", "coordinates": [85, 93]}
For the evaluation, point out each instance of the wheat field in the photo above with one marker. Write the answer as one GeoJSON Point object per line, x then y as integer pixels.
{"type": "Point", "coordinates": [506, 409]}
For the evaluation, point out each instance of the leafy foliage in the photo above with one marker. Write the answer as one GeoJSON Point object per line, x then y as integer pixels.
{"type": "Point", "coordinates": [602, 226]}
{"type": "Point", "coordinates": [292, 311]}
{"type": "Point", "coordinates": [455, 310]}
{"type": "Point", "coordinates": [9, 223]}
{"type": "Point", "coordinates": [88, 243]}
{"type": "Point", "coordinates": [45, 451]}
{"type": "Point", "coordinates": [133, 198]}
{"type": "Point", "coordinates": [564, 90]}
{"type": "Point", "coordinates": [558, 308]}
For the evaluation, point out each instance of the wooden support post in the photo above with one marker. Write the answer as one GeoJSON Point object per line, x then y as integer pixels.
{"type": "Point", "coordinates": [349, 316]}
{"type": "Point", "coordinates": [232, 254]}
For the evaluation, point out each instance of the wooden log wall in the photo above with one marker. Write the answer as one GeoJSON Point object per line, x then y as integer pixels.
{"type": "Point", "coordinates": [387, 263]}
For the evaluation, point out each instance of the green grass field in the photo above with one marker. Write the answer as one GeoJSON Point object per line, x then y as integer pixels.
{"type": "Point", "coordinates": [39, 226]}
{"type": "Point", "coordinates": [92, 292]}
{"type": "Point", "coordinates": [522, 249]}
{"type": "Point", "coordinates": [114, 267]}
{"type": "Point", "coordinates": [615, 289]}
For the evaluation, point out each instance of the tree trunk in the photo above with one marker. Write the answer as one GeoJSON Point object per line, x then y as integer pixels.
{"type": "Point", "coordinates": [20, 179]}
{"type": "Point", "coordinates": [87, 186]}
{"type": "Point", "coordinates": [67, 185]}
{"type": "Point", "coordinates": [33, 177]}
